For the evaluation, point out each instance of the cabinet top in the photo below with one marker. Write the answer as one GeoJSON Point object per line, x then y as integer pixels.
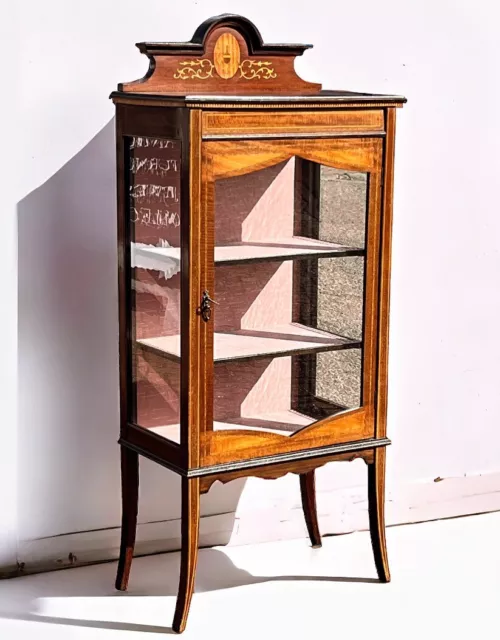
{"type": "Point", "coordinates": [226, 61]}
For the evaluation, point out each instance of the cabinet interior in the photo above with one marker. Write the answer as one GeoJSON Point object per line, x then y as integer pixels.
{"type": "Point", "coordinates": [289, 279]}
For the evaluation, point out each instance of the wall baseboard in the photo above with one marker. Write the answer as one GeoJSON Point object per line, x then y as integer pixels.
{"type": "Point", "coordinates": [346, 510]}
{"type": "Point", "coordinates": [103, 545]}
{"type": "Point", "coordinates": [340, 511]}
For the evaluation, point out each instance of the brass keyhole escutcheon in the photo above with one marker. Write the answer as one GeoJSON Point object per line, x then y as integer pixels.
{"type": "Point", "coordinates": [227, 55]}
{"type": "Point", "coordinates": [205, 308]}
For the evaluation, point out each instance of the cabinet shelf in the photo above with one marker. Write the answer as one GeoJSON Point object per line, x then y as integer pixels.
{"type": "Point", "coordinates": [244, 344]}
{"type": "Point", "coordinates": [158, 258]}
{"type": "Point", "coordinates": [284, 423]}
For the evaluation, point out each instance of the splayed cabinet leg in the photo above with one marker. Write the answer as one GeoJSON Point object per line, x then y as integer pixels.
{"type": "Point", "coordinates": [308, 494]}
{"type": "Point", "coordinates": [189, 551]}
{"type": "Point", "coordinates": [130, 497]}
{"type": "Point", "coordinates": [376, 510]}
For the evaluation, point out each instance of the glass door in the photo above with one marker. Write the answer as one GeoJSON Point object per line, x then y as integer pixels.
{"type": "Point", "coordinates": [292, 293]}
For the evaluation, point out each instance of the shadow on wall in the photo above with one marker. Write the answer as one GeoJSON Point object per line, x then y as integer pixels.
{"type": "Point", "coordinates": [68, 359]}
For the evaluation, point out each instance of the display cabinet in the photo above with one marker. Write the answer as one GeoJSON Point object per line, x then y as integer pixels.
{"type": "Point", "coordinates": [254, 230]}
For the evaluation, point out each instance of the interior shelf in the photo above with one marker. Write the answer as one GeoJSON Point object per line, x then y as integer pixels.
{"type": "Point", "coordinates": [243, 344]}
{"type": "Point", "coordinates": [149, 257]}
{"type": "Point", "coordinates": [284, 423]}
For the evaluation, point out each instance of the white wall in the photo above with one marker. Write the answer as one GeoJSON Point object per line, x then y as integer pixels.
{"type": "Point", "coordinates": [8, 307]}
{"type": "Point", "coordinates": [444, 374]}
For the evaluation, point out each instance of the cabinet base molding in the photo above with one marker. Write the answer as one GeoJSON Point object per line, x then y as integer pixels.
{"type": "Point", "coordinates": [340, 451]}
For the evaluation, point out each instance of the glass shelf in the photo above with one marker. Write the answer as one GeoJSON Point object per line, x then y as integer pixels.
{"type": "Point", "coordinates": [245, 344]}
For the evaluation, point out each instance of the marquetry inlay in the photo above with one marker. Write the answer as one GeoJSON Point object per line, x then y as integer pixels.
{"type": "Point", "coordinates": [225, 66]}
{"type": "Point", "coordinates": [194, 70]}
{"type": "Point", "coordinates": [227, 56]}
{"type": "Point", "coordinates": [226, 63]}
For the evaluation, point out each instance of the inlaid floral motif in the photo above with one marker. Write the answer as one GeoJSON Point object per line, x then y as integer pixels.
{"type": "Point", "coordinates": [203, 69]}
{"type": "Point", "coordinates": [251, 69]}
{"type": "Point", "coordinates": [195, 70]}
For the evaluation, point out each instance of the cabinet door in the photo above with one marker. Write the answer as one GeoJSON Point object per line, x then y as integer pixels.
{"type": "Point", "coordinates": [291, 230]}
{"type": "Point", "coordinates": [153, 192]}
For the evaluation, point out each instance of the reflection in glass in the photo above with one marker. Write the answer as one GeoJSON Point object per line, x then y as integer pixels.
{"type": "Point", "coordinates": [154, 208]}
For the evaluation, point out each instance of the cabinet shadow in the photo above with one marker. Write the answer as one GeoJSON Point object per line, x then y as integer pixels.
{"type": "Point", "coordinates": [68, 360]}
{"type": "Point", "coordinates": [151, 576]}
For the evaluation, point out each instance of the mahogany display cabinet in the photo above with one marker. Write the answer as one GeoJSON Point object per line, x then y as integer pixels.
{"type": "Point", "coordinates": [254, 232]}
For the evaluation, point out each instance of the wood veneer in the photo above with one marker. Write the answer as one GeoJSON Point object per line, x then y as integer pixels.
{"type": "Point", "coordinates": [242, 125]}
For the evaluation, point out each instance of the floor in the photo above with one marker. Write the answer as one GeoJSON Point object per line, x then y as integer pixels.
{"type": "Point", "coordinates": [446, 584]}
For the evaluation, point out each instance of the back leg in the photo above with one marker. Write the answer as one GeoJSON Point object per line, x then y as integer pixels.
{"type": "Point", "coordinates": [376, 511]}
{"type": "Point", "coordinates": [308, 494]}
{"type": "Point", "coordinates": [130, 498]}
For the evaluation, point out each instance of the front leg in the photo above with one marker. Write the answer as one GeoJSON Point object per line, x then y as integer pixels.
{"type": "Point", "coordinates": [189, 550]}
{"type": "Point", "coordinates": [376, 511]}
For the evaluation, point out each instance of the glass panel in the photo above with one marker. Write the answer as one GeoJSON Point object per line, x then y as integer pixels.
{"type": "Point", "coordinates": [343, 197]}
{"type": "Point", "coordinates": [289, 282]}
{"type": "Point", "coordinates": [154, 207]}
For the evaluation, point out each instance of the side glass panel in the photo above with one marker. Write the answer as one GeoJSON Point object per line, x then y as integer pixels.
{"type": "Point", "coordinates": [155, 236]}
{"type": "Point", "coordinates": [289, 282]}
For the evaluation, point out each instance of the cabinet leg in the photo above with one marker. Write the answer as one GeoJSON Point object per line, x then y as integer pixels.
{"type": "Point", "coordinates": [376, 511]}
{"type": "Point", "coordinates": [189, 551]}
{"type": "Point", "coordinates": [308, 494]}
{"type": "Point", "coordinates": [130, 497]}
